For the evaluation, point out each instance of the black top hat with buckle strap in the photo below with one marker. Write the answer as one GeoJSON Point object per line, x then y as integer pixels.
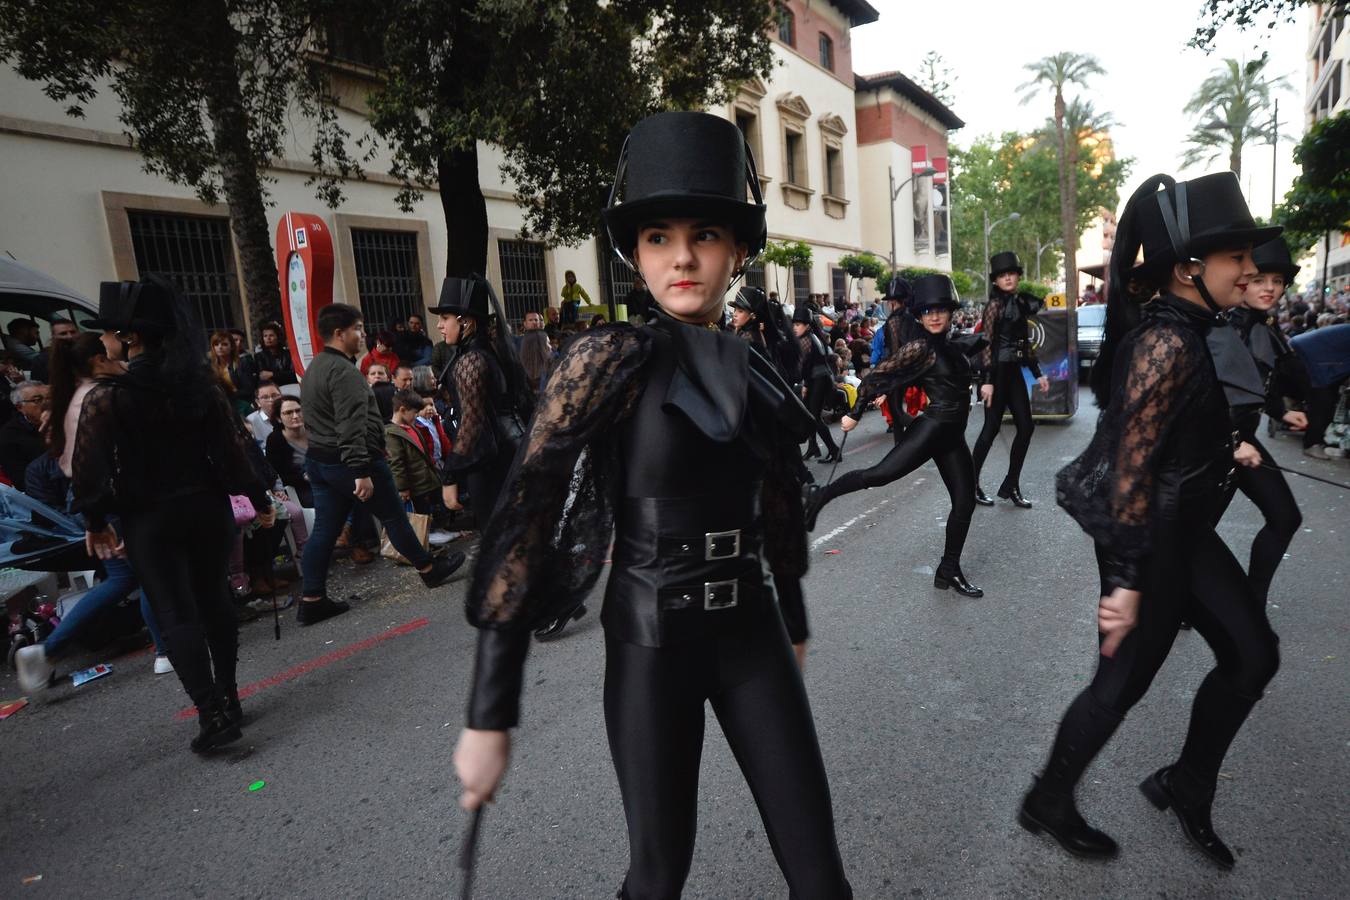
{"type": "Point", "coordinates": [803, 314]}
{"type": "Point", "coordinates": [898, 289]}
{"type": "Point", "coordinates": [1004, 262]}
{"type": "Point", "coordinates": [464, 297]}
{"type": "Point", "coordinates": [934, 291]}
{"type": "Point", "coordinates": [753, 301]}
{"type": "Point", "coordinates": [685, 165]}
{"type": "Point", "coordinates": [145, 306]}
{"type": "Point", "coordinates": [1273, 256]}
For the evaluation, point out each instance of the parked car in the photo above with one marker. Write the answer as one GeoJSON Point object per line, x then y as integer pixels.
{"type": "Point", "coordinates": [1091, 330]}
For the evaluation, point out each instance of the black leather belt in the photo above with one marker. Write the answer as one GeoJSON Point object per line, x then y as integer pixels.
{"type": "Point", "coordinates": [710, 596]}
{"type": "Point", "coordinates": [710, 546]}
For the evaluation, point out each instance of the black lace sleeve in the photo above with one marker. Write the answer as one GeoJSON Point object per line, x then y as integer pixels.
{"type": "Point", "coordinates": [901, 369]}
{"type": "Point", "coordinates": [993, 311]}
{"type": "Point", "coordinates": [94, 459]}
{"type": "Point", "coordinates": [475, 439]}
{"type": "Point", "coordinates": [544, 549]}
{"type": "Point", "coordinates": [1108, 490]}
{"type": "Point", "coordinates": [803, 357]}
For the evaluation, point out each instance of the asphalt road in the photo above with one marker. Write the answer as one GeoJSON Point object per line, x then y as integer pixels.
{"type": "Point", "coordinates": [933, 713]}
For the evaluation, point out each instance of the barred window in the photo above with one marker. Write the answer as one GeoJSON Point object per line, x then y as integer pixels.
{"type": "Point", "coordinates": [801, 285]}
{"type": "Point", "coordinates": [388, 276]}
{"type": "Point", "coordinates": [754, 276]}
{"type": "Point", "coordinates": [616, 279]}
{"type": "Point", "coordinates": [838, 285]}
{"type": "Point", "coordinates": [524, 278]}
{"type": "Point", "coordinates": [196, 254]}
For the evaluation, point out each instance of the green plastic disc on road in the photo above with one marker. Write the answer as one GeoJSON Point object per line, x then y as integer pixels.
{"type": "Point", "coordinates": [257, 786]}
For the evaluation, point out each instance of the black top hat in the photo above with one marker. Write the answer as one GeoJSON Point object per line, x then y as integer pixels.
{"type": "Point", "coordinates": [464, 297]}
{"type": "Point", "coordinates": [753, 301]}
{"type": "Point", "coordinates": [686, 165]}
{"type": "Point", "coordinates": [142, 306]}
{"type": "Point", "coordinates": [898, 289]}
{"type": "Point", "coordinates": [934, 292]}
{"type": "Point", "coordinates": [1005, 261]}
{"type": "Point", "coordinates": [1194, 218]}
{"type": "Point", "coordinates": [804, 314]}
{"type": "Point", "coordinates": [1273, 256]}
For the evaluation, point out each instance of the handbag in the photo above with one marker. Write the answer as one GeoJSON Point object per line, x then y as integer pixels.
{"type": "Point", "coordinates": [244, 512]}
{"type": "Point", "coordinates": [421, 526]}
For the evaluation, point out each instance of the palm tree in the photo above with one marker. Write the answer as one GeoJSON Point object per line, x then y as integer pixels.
{"type": "Point", "coordinates": [1231, 107]}
{"type": "Point", "coordinates": [1058, 72]}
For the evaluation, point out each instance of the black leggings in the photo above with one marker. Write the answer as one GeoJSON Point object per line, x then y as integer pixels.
{"type": "Point", "coordinates": [180, 551]}
{"type": "Point", "coordinates": [1010, 392]}
{"type": "Point", "coordinates": [1191, 575]}
{"type": "Point", "coordinates": [654, 714]}
{"type": "Point", "coordinates": [1270, 492]}
{"type": "Point", "coordinates": [945, 444]}
{"type": "Point", "coordinates": [817, 392]}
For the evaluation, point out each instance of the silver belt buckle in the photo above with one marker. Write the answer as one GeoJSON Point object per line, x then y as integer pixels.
{"type": "Point", "coordinates": [712, 539]}
{"type": "Point", "coordinates": [721, 594]}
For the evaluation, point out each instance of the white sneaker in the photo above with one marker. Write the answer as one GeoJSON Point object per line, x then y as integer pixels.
{"type": "Point", "coordinates": [162, 665]}
{"type": "Point", "coordinates": [35, 672]}
{"type": "Point", "coordinates": [440, 538]}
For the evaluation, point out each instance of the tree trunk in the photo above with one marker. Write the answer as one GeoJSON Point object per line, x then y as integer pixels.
{"type": "Point", "coordinates": [1068, 182]}
{"type": "Point", "coordinates": [239, 174]}
{"type": "Point", "coordinates": [1235, 158]}
{"type": "Point", "coordinates": [465, 209]}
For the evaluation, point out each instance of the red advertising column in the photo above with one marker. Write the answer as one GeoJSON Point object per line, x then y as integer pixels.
{"type": "Point", "coordinates": [305, 268]}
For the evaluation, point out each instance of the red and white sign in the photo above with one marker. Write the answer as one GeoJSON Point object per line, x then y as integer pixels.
{"type": "Point", "coordinates": [305, 270]}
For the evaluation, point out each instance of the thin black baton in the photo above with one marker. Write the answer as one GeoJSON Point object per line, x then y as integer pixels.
{"type": "Point", "coordinates": [838, 457]}
{"type": "Point", "coordinates": [1280, 468]}
{"type": "Point", "coordinates": [468, 854]}
{"type": "Point", "coordinates": [276, 616]}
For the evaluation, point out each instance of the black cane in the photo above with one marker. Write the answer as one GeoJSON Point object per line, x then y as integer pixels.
{"type": "Point", "coordinates": [276, 616]}
{"type": "Point", "coordinates": [468, 854]}
{"type": "Point", "coordinates": [838, 457]}
{"type": "Point", "coordinates": [1280, 468]}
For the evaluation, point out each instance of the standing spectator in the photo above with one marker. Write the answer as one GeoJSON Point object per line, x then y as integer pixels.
{"type": "Point", "coordinates": [572, 295]}
{"type": "Point", "coordinates": [22, 341]}
{"type": "Point", "coordinates": [21, 441]}
{"type": "Point", "coordinates": [383, 354]}
{"type": "Point", "coordinates": [412, 345]}
{"type": "Point", "coordinates": [412, 464]}
{"type": "Point", "coordinates": [535, 355]}
{"type": "Point", "coordinates": [260, 420]}
{"type": "Point", "coordinates": [273, 359]}
{"type": "Point", "coordinates": [551, 324]}
{"type": "Point", "coordinates": [236, 379]}
{"type": "Point", "coordinates": [287, 446]}
{"type": "Point", "coordinates": [62, 330]}
{"type": "Point", "coordinates": [345, 463]}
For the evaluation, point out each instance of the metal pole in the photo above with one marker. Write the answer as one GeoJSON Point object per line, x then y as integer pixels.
{"type": "Point", "coordinates": [986, 249]}
{"type": "Point", "coordinates": [890, 175]}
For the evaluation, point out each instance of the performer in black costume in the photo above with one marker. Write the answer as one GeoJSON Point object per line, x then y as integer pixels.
{"type": "Point", "coordinates": [1276, 366]}
{"type": "Point", "coordinates": [1147, 490]}
{"type": "Point", "coordinates": [160, 447]}
{"type": "Point", "coordinates": [814, 375]}
{"type": "Point", "coordinates": [926, 356]}
{"type": "Point", "coordinates": [1002, 387]}
{"type": "Point", "coordinates": [687, 443]}
{"type": "Point", "coordinates": [897, 296]}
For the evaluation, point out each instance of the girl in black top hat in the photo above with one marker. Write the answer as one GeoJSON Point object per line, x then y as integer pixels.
{"type": "Point", "coordinates": [1275, 365]}
{"type": "Point", "coordinates": [161, 447]}
{"type": "Point", "coordinates": [680, 444]}
{"type": "Point", "coordinates": [816, 378]}
{"type": "Point", "coordinates": [923, 354]}
{"type": "Point", "coordinates": [1147, 490]}
{"type": "Point", "coordinates": [1002, 387]}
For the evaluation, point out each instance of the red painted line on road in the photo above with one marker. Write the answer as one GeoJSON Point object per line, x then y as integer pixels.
{"type": "Point", "coordinates": [327, 659]}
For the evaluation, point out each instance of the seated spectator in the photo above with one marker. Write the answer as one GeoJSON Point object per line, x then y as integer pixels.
{"type": "Point", "coordinates": [382, 354]}
{"type": "Point", "coordinates": [62, 330]}
{"type": "Point", "coordinates": [596, 321]}
{"type": "Point", "coordinates": [287, 446]}
{"type": "Point", "coordinates": [412, 345]}
{"type": "Point", "coordinates": [22, 341]}
{"type": "Point", "coordinates": [236, 378]}
{"type": "Point", "coordinates": [410, 459]}
{"type": "Point", "coordinates": [403, 377]}
{"type": "Point", "coordinates": [260, 420]}
{"type": "Point", "coordinates": [377, 376]}
{"type": "Point", "coordinates": [273, 359]}
{"type": "Point", "coordinates": [21, 440]}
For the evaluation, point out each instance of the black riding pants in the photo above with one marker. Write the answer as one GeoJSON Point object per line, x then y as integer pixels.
{"type": "Point", "coordinates": [654, 714]}
{"type": "Point", "coordinates": [945, 444]}
{"type": "Point", "coordinates": [1010, 393]}
{"type": "Point", "coordinates": [817, 392]}
{"type": "Point", "coordinates": [180, 551]}
{"type": "Point", "coordinates": [1191, 575]}
{"type": "Point", "coordinates": [1270, 492]}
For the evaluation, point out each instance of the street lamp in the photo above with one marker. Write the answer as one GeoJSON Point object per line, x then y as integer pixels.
{"type": "Point", "coordinates": [1041, 248]}
{"type": "Point", "coordinates": [988, 227]}
{"type": "Point", "coordinates": [926, 172]}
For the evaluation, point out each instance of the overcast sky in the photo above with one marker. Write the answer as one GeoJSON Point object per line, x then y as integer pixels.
{"type": "Point", "coordinates": [1150, 73]}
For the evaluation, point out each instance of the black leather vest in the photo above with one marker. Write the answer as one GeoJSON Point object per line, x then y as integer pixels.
{"type": "Point", "coordinates": [947, 383]}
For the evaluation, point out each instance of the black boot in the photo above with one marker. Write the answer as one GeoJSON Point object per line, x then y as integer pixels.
{"type": "Point", "coordinates": [951, 577]}
{"type": "Point", "coordinates": [1015, 495]}
{"type": "Point", "coordinates": [442, 568]}
{"type": "Point", "coordinates": [1057, 816]}
{"type": "Point", "coordinates": [811, 452]}
{"type": "Point", "coordinates": [813, 498]}
{"type": "Point", "coordinates": [834, 456]}
{"type": "Point", "coordinates": [216, 729]}
{"type": "Point", "coordinates": [1192, 810]}
{"type": "Point", "coordinates": [307, 612]}
{"type": "Point", "coordinates": [554, 628]}
{"type": "Point", "coordinates": [233, 710]}
{"type": "Point", "coordinates": [982, 498]}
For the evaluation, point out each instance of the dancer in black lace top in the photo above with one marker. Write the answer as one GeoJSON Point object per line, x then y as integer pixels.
{"type": "Point", "coordinates": [1147, 490]}
{"type": "Point", "coordinates": [680, 443]}
{"type": "Point", "coordinates": [815, 377]}
{"type": "Point", "coordinates": [922, 354]}
{"type": "Point", "coordinates": [1002, 387]}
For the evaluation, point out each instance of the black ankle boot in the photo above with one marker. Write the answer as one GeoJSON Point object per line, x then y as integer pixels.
{"type": "Point", "coordinates": [834, 456]}
{"type": "Point", "coordinates": [982, 498]}
{"type": "Point", "coordinates": [554, 628]}
{"type": "Point", "coordinates": [234, 711]}
{"type": "Point", "coordinates": [1057, 816]}
{"type": "Point", "coordinates": [811, 452]}
{"type": "Point", "coordinates": [954, 579]}
{"type": "Point", "coordinates": [1015, 495]}
{"type": "Point", "coordinates": [813, 499]}
{"type": "Point", "coordinates": [216, 729]}
{"type": "Point", "coordinates": [1192, 811]}
{"type": "Point", "coordinates": [307, 612]}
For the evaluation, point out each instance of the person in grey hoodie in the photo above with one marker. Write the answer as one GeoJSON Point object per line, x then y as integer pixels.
{"type": "Point", "coordinates": [346, 464]}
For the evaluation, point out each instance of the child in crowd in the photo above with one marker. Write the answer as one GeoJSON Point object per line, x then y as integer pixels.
{"type": "Point", "coordinates": [410, 448]}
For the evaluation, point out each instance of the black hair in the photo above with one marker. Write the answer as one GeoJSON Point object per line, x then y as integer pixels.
{"type": "Point", "coordinates": [71, 361]}
{"type": "Point", "coordinates": [266, 382]}
{"type": "Point", "coordinates": [336, 317]}
{"type": "Point", "coordinates": [19, 324]}
{"type": "Point", "coordinates": [275, 418]}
